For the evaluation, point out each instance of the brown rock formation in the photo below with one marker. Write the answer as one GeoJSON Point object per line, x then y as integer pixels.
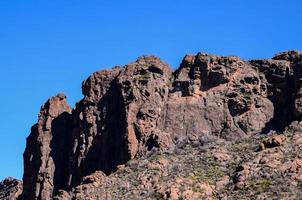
{"type": "Point", "coordinates": [44, 156]}
{"type": "Point", "coordinates": [284, 75]}
{"type": "Point", "coordinates": [117, 115]}
{"type": "Point", "coordinates": [215, 95]}
{"type": "Point", "coordinates": [10, 189]}
{"type": "Point", "coordinates": [129, 111]}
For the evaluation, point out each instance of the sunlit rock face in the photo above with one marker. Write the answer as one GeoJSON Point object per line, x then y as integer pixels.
{"type": "Point", "coordinates": [128, 111]}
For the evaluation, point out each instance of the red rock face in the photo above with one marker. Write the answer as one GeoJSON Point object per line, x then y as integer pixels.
{"type": "Point", "coordinates": [217, 96]}
{"type": "Point", "coordinates": [128, 111]}
{"type": "Point", "coordinates": [283, 73]}
{"type": "Point", "coordinates": [45, 154]}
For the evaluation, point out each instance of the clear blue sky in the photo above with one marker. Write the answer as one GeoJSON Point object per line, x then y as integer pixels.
{"type": "Point", "coordinates": [51, 46]}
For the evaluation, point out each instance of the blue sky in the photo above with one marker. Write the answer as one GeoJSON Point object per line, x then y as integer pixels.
{"type": "Point", "coordinates": [51, 46]}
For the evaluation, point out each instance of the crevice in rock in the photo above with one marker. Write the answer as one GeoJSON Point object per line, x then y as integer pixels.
{"type": "Point", "coordinates": [152, 142]}
{"type": "Point", "coordinates": [282, 88]}
{"type": "Point", "coordinates": [59, 146]}
{"type": "Point", "coordinates": [109, 148]}
{"type": "Point", "coordinates": [154, 69]}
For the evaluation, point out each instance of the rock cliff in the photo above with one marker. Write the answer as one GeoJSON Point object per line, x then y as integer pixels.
{"type": "Point", "coordinates": [132, 111]}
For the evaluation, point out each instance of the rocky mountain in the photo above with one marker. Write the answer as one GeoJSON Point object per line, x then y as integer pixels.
{"type": "Point", "coordinates": [217, 127]}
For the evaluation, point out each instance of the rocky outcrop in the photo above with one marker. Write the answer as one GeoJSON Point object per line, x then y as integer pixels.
{"type": "Point", "coordinates": [216, 95]}
{"type": "Point", "coordinates": [128, 112]}
{"type": "Point", "coordinates": [10, 189]}
{"type": "Point", "coordinates": [284, 76]}
{"type": "Point", "coordinates": [45, 153]}
{"type": "Point", "coordinates": [113, 122]}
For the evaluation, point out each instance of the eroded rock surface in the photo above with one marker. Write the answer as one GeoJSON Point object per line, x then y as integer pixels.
{"type": "Point", "coordinates": [216, 95]}
{"type": "Point", "coordinates": [10, 189]}
{"type": "Point", "coordinates": [284, 75]}
{"type": "Point", "coordinates": [118, 115]}
{"type": "Point", "coordinates": [45, 154]}
{"type": "Point", "coordinates": [130, 112]}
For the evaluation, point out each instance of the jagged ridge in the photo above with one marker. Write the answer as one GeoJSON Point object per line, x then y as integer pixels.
{"type": "Point", "coordinates": [129, 111]}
